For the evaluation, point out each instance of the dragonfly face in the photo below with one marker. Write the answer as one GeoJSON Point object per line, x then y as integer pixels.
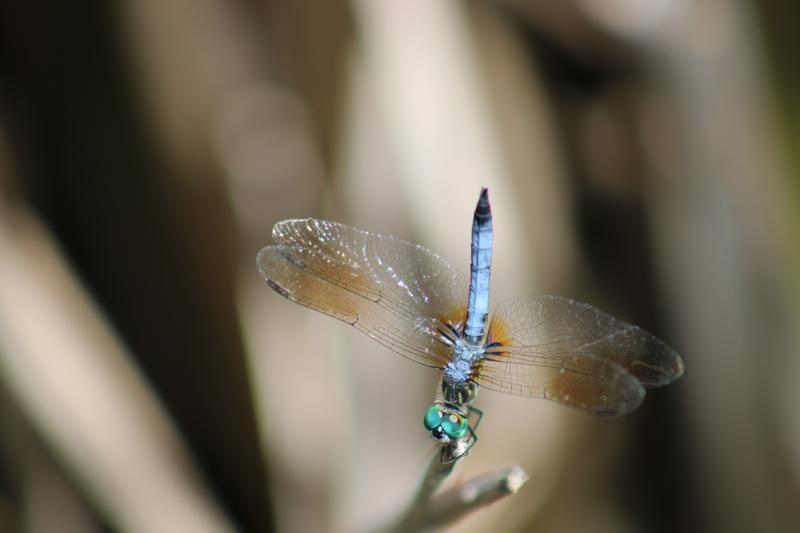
{"type": "Point", "coordinates": [413, 302]}
{"type": "Point", "coordinates": [445, 424]}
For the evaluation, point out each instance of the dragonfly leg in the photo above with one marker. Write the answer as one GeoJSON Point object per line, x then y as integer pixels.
{"type": "Point", "coordinates": [480, 416]}
{"type": "Point", "coordinates": [473, 438]}
{"type": "Point", "coordinates": [447, 455]}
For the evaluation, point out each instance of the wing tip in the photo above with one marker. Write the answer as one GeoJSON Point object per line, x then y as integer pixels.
{"type": "Point", "coordinates": [670, 369]}
{"type": "Point", "coordinates": [277, 288]}
{"type": "Point", "coordinates": [261, 259]}
{"type": "Point", "coordinates": [613, 404]}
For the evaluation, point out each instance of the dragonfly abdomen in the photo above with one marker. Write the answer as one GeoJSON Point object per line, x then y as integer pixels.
{"type": "Point", "coordinates": [480, 270]}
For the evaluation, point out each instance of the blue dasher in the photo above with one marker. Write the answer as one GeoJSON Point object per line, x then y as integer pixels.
{"type": "Point", "coordinates": [413, 302]}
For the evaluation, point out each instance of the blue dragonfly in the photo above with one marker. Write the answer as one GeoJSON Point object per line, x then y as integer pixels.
{"type": "Point", "coordinates": [413, 302]}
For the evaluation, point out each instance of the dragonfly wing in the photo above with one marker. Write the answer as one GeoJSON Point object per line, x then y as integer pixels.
{"type": "Point", "coordinates": [398, 293]}
{"type": "Point", "coordinates": [572, 353]}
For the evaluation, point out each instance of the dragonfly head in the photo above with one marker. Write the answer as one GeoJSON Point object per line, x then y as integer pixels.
{"type": "Point", "coordinates": [444, 424]}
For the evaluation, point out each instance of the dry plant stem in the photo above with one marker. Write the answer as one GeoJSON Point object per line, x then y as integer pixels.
{"type": "Point", "coordinates": [437, 472]}
{"type": "Point", "coordinates": [426, 514]}
{"type": "Point", "coordinates": [478, 492]}
{"type": "Point", "coordinates": [79, 389]}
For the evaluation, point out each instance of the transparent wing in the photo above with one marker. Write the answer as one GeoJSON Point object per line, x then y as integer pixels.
{"type": "Point", "coordinates": [398, 293]}
{"type": "Point", "coordinates": [574, 354]}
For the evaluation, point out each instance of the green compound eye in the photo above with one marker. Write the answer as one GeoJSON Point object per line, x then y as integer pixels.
{"type": "Point", "coordinates": [433, 417]}
{"type": "Point", "coordinates": [454, 425]}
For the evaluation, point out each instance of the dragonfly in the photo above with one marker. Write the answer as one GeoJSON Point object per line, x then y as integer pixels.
{"type": "Point", "coordinates": [415, 303]}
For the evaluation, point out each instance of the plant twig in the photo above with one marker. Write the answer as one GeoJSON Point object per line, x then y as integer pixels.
{"type": "Point", "coordinates": [478, 492]}
{"type": "Point", "coordinates": [441, 466]}
{"type": "Point", "coordinates": [426, 513]}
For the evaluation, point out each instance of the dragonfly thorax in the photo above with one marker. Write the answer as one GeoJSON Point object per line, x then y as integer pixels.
{"type": "Point", "coordinates": [456, 380]}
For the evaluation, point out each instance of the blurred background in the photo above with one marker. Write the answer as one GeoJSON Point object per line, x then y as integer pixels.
{"type": "Point", "coordinates": [642, 156]}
